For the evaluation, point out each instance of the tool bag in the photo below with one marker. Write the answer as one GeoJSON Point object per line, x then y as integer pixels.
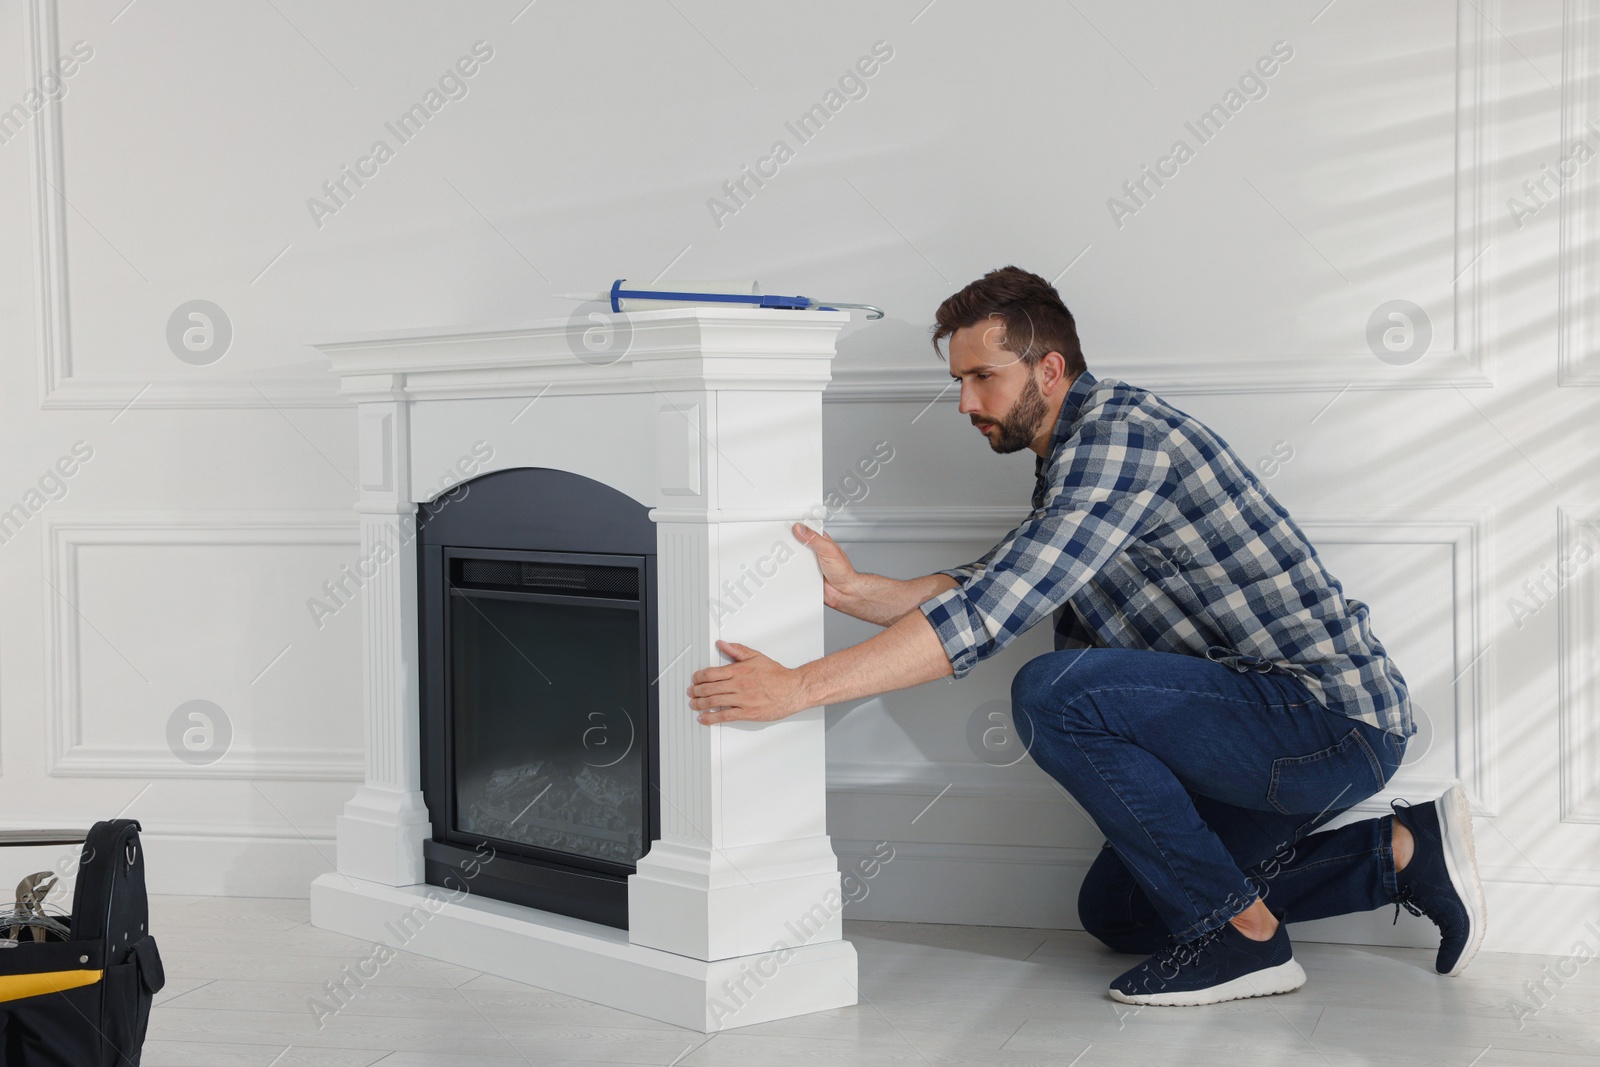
{"type": "Point", "coordinates": [85, 1001]}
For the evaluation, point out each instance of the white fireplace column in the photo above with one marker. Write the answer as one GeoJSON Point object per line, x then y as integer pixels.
{"type": "Point", "coordinates": [712, 417]}
{"type": "Point", "coordinates": [380, 833]}
{"type": "Point", "coordinates": [743, 858]}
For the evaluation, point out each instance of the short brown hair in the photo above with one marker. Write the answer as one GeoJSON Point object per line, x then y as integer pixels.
{"type": "Point", "coordinates": [1030, 307]}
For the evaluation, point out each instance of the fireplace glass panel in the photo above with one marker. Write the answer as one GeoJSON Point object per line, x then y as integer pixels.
{"type": "Point", "coordinates": [546, 699]}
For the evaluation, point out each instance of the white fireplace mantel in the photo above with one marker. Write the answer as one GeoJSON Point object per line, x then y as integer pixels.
{"type": "Point", "coordinates": [712, 418]}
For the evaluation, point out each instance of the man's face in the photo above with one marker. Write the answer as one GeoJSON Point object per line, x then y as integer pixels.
{"type": "Point", "coordinates": [999, 393]}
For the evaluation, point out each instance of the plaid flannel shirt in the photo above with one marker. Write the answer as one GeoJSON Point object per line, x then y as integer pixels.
{"type": "Point", "coordinates": [1148, 532]}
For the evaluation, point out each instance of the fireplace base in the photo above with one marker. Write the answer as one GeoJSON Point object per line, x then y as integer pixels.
{"type": "Point", "coordinates": [587, 960]}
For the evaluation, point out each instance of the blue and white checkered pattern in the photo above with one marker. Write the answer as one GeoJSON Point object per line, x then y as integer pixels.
{"type": "Point", "coordinates": [1149, 532]}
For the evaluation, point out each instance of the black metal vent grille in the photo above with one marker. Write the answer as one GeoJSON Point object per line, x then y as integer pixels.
{"type": "Point", "coordinates": [571, 579]}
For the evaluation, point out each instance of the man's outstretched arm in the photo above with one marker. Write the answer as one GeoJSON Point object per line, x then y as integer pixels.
{"type": "Point", "coordinates": [884, 601]}
{"type": "Point", "coordinates": [758, 688]}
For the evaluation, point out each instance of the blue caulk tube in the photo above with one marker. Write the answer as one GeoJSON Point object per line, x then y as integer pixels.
{"type": "Point", "coordinates": [738, 294]}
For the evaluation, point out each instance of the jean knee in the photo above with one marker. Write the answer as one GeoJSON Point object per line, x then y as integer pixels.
{"type": "Point", "coordinates": [1029, 685]}
{"type": "Point", "coordinates": [1055, 679]}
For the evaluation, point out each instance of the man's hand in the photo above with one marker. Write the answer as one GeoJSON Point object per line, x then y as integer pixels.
{"type": "Point", "coordinates": [868, 597]}
{"type": "Point", "coordinates": [752, 687]}
{"type": "Point", "coordinates": [841, 583]}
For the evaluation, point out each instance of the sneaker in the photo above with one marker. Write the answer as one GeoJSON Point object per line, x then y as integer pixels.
{"type": "Point", "coordinates": [1441, 880]}
{"type": "Point", "coordinates": [1220, 965]}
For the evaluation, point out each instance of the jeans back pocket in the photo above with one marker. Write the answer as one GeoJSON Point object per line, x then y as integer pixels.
{"type": "Point", "coordinates": [1326, 781]}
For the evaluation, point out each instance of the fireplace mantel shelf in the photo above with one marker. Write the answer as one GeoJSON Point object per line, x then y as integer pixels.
{"type": "Point", "coordinates": [712, 419]}
{"type": "Point", "coordinates": [733, 348]}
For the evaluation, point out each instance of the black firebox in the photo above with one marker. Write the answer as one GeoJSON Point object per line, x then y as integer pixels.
{"type": "Point", "coordinates": [537, 614]}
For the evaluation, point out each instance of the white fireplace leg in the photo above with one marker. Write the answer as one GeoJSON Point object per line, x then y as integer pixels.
{"type": "Point", "coordinates": [744, 865]}
{"type": "Point", "coordinates": [380, 836]}
{"type": "Point", "coordinates": [381, 831]}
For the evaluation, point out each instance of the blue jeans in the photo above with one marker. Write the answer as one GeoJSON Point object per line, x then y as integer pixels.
{"type": "Point", "coordinates": [1209, 783]}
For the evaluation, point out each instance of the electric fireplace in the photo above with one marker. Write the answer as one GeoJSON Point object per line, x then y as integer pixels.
{"type": "Point", "coordinates": [519, 633]}
{"type": "Point", "coordinates": [539, 708]}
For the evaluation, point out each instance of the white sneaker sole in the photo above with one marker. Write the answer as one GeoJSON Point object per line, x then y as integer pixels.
{"type": "Point", "coordinates": [1461, 861]}
{"type": "Point", "coordinates": [1284, 978]}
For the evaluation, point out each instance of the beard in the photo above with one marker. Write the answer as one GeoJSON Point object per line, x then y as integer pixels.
{"type": "Point", "coordinates": [1019, 426]}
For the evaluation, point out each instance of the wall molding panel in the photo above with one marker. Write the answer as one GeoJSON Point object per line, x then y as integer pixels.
{"type": "Point", "coordinates": [1579, 667]}
{"type": "Point", "coordinates": [49, 209]}
{"type": "Point", "coordinates": [68, 754]}
{"type": "Point", "coordinates": [1468, 364]}
{"type": "Point", "coordinates": [1578, 266]}
{"type": "Point", "coordinates": [60, 385]}
{"type": "Point", "coordinates": [1463, 530]}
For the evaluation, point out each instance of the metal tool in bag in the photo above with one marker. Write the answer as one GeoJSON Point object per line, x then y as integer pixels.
{"type": "Point", "coordinates": [28, 913]}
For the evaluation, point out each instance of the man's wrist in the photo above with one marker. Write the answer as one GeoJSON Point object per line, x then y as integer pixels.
{"type": "Point", "coordinates": [863, 599]}
{"type": "Point", "coordinates": [810, 689]}
{"type": "Point", "coordinates": [851, 600]}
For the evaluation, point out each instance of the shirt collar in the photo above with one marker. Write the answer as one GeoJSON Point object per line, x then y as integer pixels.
{"type": "Point", "coordinates": [1071, 408]}
{"type": "Point", "coordinates": [1066, 423]}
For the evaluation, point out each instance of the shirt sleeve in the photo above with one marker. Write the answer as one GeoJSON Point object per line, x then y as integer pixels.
{"type": "Point", "coordinates": [1106, 489]}
{"type": "Point", "coordinates": [968, 570]}
{"type": "Point", "coordinates": [961, 573]}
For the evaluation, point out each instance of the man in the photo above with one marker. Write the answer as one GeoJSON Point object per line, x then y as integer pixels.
{"type": "Point", "coordinates": [1213, 699]}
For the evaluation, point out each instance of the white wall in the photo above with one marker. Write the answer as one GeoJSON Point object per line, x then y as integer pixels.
{"type": "Point", "coordinates": [1378, 166]}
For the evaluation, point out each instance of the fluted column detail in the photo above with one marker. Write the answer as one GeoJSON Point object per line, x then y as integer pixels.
{"type": "Point", "coordinates": [381, 831]}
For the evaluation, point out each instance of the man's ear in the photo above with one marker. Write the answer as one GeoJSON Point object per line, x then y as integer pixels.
{"type": "Point", "coordinates": [1054, 365]}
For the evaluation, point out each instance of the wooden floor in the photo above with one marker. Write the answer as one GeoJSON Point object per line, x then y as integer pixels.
{"type": "Point", "coordinates": [241, 972]}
